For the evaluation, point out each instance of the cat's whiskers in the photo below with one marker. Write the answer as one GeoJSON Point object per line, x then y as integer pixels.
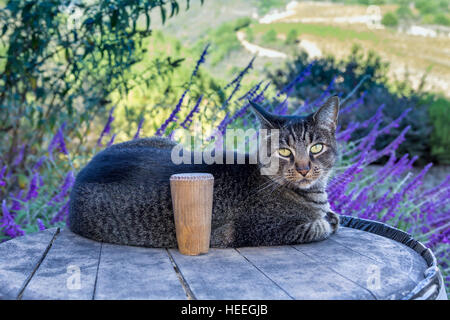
{"type": "Point", "coordinates": [273, 182]}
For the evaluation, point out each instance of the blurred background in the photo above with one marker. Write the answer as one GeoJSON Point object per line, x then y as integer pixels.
{"type": "Point", "coordinates": [79, 75]}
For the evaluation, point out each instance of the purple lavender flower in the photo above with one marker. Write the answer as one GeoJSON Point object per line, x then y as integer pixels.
{"type": "Point", "coordinates": [111, 141]}
{"type": "Point", "coordinates": [396, 122]}
{"type": "Point", "coordinates": [33, 189]}
{"type": "Point", "coordinates": [172, 117]}
{"type": "Point", "coordinates": [5, 210]}
{"type": "Point", "coordinates": [282, 108]}
{"type": "Point", "coordinates": [241, 74]}
{"type": "Point", "coordinates": [40, 224]}
{"type": "Point", "coordinates": [237, 83]}
{"type": "Point", "coordinates": [2, 174]}
{"type": "Point", "coordinates": [65, 188]}
{"type": "Point", "coordinates": [58, 142]}
{"type": "Point", "coordinates": [188, 120]}
{"type": "Point", "coordinates": [39, 163]}
{"type": "Point", "coordinates": [223, 124]}
{"type": "Point", "coordinates": [107, 129]}
{"type": "Point", "coordinates": [250, 93]}
{"type": "Point", "coordinates": [375, 155]}
{"type": "Point", "coordinates": [19, 157]}
{"type": "Point", "coordinates": [136, 136]}
{"type": "Point", "coordinates": [310, 107]}
{"type": "Point", "coordinates": [7, 223]}
{"type": "Point", "coordinates": [445, 184]}
{"type": "Point", "coordinates": [440, 237]}
{"type": "Point", "coordinates": [200, 61]}
{"type": "Point", "coordinates": [357, 103]}
{"type": "Point", "coordinates": [417, 181]}
{"type": "Point", "coordinates": [227, 120]}
{"type": "Point", "coordinates": [16, 201]}
{"type": "Point", "coordinates": [61, 214]}
{"type": "Point", "coordinates": [345, 135]}
{"type": "Point", "coordinates": [338, 184]}
{"type": "Point", "coordinates": [375, 118]}
{"type": "Point", "coordinates": [297, 80]}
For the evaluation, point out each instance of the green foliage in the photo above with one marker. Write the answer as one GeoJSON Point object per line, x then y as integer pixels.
{"type": "Point", "coordinates": [61, 64]}
{"type": "Point", "coordinates": [249, 35]}
{"type": "Point", "coordinates": [292, 36]}
{"type": "Point", "coordinates": [442, 19]}
{"type": "Point", "coordinates": [242, 23]}
{"type": "Point", "coordinates": [426, 6]}
{"type": "Point", "coordinates": [390, 19]}
{"type": "Point", "coordinates": [270, 36]}
{"type": "Point", "coordinates": [264, 6]}
{"type": "Point", "coordinates": [429, 11]}
{"type": "Point", "coordinates": [404, 12]}
{"type": "Point", "coordinates": [440, 138]}
{"type": "Point", "coordinates": [433, 12]}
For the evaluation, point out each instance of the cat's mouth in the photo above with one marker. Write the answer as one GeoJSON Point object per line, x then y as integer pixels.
{"type": "Point", "coordinates": [304, 182]}
{"type": "Point", "coordinates": [301, 182]}
{"type": "Point", "coordinates": [295, 179]}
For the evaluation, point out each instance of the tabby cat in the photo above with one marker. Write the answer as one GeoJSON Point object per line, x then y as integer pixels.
{"type": "Point", "coordinates": [123, 196]}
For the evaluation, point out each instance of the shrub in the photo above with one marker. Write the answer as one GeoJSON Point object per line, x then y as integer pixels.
{"type": "Point", "coordinates": [264, 6]}
{"type": "Point", "coordinates": [242, 23]}
{"type": "Point", "coordinates": [390, 19]}
{"type": "Point", "coordinates": [427, 7]}
{"type": "Point", "coordinates": [249, 35]}
{"type": "Point", "coordinates": [292, 36]}
{"type": "Point", "coordinates": [442, 19]}
{"type": "Point", "coordinates": [440, 138]}
{"type": "Point", "coordinates": [404, 12]}
{"type": "Point", "coordinates": [270, 36]}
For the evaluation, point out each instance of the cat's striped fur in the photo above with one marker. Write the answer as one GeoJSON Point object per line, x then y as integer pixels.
{"type": "Point", "coordinates": [123, 196]}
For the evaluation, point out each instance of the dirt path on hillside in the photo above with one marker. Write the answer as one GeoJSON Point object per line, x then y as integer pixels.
{"type": "Point", "coordinates": [260, 51]}
{"type": "Point", "coordinates": [310, 47]}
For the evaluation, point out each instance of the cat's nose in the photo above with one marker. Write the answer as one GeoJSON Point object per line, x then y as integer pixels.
{"type": "Point", "coordinates": [303, 170]}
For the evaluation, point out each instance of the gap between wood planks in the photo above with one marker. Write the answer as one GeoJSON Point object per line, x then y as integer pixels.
{"type": "Point", "coordinates": [28, 279]}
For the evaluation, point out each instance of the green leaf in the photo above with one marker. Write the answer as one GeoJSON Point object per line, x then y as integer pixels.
{"type": "Point", "coordinates": [114, 18]}
{"type": "Point", "coordinates": [163, 13]}
{"type": "Point", "coordinates": [175, 8]}
{"type": "Point", "coordinates": [147, 21]}
{"type": "Point", "coordinates": [4, 29]}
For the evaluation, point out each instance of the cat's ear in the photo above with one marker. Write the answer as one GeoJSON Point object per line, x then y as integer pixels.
{"type": "Point", "coordinates": [265, 118]}
{"type": "Point", "coordinates": [327, 115]}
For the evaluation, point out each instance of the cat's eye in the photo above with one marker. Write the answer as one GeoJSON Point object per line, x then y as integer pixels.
{"type": "Point", "coordinates": [316, 148]}
{"type": "Point", "coordinates": [284, 152]}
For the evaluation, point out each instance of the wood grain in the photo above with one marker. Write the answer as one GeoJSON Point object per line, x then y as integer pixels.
{"type": "Point", "coordinates": [36, 267]}
{"type": "Point", "coordinates": [192, 197]}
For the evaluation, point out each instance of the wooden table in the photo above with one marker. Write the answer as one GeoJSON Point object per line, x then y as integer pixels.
{"type": "Point", "coordinates": [353, 264]}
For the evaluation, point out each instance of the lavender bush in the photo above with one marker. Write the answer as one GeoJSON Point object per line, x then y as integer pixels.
{"type": "Point", "coordinates": [388, 193]}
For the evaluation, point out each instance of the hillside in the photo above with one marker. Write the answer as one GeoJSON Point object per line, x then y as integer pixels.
{"type": "Point", "coordinates": [322, 28]}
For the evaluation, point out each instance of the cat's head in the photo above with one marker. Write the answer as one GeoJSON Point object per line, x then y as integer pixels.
{"type": "Point", "coordinates": [306, 150]}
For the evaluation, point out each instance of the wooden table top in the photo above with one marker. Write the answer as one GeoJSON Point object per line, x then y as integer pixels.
{"type": "Point", "coordinates": [352, 264]}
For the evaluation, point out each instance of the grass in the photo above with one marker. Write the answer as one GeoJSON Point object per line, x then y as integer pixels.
{"type": "Point", "coordinates": [326, 31]}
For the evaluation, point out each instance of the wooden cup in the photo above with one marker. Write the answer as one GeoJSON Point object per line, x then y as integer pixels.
{"type": "Point", "coordinates": [192, 197]}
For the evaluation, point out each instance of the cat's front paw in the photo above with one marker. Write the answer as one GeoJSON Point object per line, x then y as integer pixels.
{"type": "Point", "coordinates": [333, 220]}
